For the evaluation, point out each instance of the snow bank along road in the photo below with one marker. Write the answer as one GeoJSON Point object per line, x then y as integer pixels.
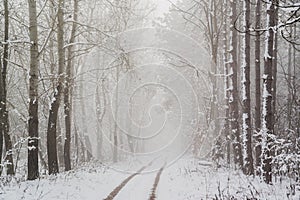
{"type": "Point", "coordinates": [186, 179]}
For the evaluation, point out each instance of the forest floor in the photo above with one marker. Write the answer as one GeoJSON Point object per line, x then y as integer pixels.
{"type": "Point", "coordinates": [185, 179]}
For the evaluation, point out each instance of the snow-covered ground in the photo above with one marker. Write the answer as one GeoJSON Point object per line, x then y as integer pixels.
{"type": "Point", "coordinates": [187, 178]}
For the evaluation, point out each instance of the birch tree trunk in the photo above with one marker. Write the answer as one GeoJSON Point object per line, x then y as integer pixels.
{"type": "Point", "coordinates": [33, 165]}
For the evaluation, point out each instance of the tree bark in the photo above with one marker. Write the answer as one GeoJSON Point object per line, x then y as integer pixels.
{"type": "Point", "coordinates": [274, 63]}
{"type": "Point", "coordinates": [238, 159]}
{"type": "Point", "coordinates": [257, 86]}
{"type": "Point", "coordinates": [246, 118]}
{"type": "Point", "coordinates": [1, 119]}
{"type": "Point", "coordinates": [267, 118]}
{"type": "Point", "coordinates": [33, 165]}
{"type": "Point", "coordinates": [226, 82]}
{"type": "Point", "coordinates": [53, 113]}
{"type": "Point", "coordinates": [67, 94]}
{"type": "Point", "coordinates": [5, 128]}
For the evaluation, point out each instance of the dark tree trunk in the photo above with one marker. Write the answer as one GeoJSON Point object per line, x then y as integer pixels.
{"type": "Point", "coordinates": [246, 118]}
{"type": "Point", "coordinates": [7, 139]}
{"type": "Point", "coordinates": [267, 118]}
{"type": "Point", "coordinates": [53, 113]}
{"type": "Point", "coordinates": [234, 102]}
{"type": "Point", "coordinates": [1, 119]}
{"type": "Point", "coordinates": [257, 87]}
{"type": "Point", "coordinates": [33, 165]}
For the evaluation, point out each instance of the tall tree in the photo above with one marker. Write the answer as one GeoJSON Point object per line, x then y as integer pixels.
{"type": "Point", "coordinates": [267, 114]}
{"type": "Point", "coordinates": [5, 123]}
{"type": "Point", "coordinates": [257, 85]}
{"type": "Point", "coordinates": [33, 165]}
{"type": "Point", "coordinates": [234, 108]}
{"type": "Point", "coordinates": [53, 112]}
{"type": "Point", "coordinates": [67, 95]}
{"type": "Point", "coordinates": [274, 70]}
{"type": "Point", "coordinates": [245, 79]}
{"type": "Point", "coordinates": [227, 85]}
{"type": "Point", "coordinates": [1, 119]}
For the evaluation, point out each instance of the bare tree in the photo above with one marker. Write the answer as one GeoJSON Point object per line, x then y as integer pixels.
{"type": "Point", "coordinates": [238, 159]}
{"type": "Point", "coordinates": [267, 114]}
{"type": "Point", "coordinates": [33, 165]}
{"type": "Point", "coordinates": [257, 85]}
{"type": "Point", "coordinates": [245, 79]}
{"type": "Point", "coordinates": [68, 85]}
{"type": "Point", "coordinates": [53, 112]}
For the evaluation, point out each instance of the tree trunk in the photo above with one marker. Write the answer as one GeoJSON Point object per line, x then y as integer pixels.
{"type": "Point", "coordinates": [60, 139]}
{"type": "Point", "coordinates": [226, 82]}
{"type": "Point", "coordinates": [7, 140]}
{"type": "Point", "coordinates": [234, 108]}
{"type": "Point", "coordinates": [245, 72]}
{"type": "Point", "coordinates": [115, 148]}
{"type": "Point", "coordinates": [257, 86]}
{"type": "Point", "coordinates": [267, 118]}
{"type": "Point", "coordinates": [100, 116]}
{"type": "Point", "coordinates": [33, 165]}
{"type": "Point", "coordinates": [67, 96]}
{"type": "Point", "coordinates": [86, 144]}
{"type": "Point", "coordinates": [274, 63]}
{"type": "Point", "coordinates": [53, 113]}
{"type": "Point", "coordinates": [1, 119]}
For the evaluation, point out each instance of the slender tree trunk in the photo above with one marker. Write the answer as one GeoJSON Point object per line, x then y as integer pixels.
{"type": "Point", "coordinates": [33, 165]}
{"type": "Point", "coordinates": [7, 139]}
{"type": "Point", "coordinates": [267, 118]}
{"type": "Point", "coordinates": [274, 63]}
{"type": "Point", "coordinates": [214, 42]}
{"type": "Point", "coordinates": [257, 87]}
{"type": "Point", "coordinates": [53, 113]}
{"type": "Point", "coordinates": [86, 144]}
{"type": "Point", "coordinates": [234, 108]}
{"type": "Point", "coordinates": [100, 116]}
{"type": "Point", "coordinates": [290, 84]}
{"type": "Point", "coordinates": [246, 118]}
{"type": "Point", "coordinates": [67, 96]}
{"type": "Point", "coordinates": [1, 118]}
{"type": "Point", "coordinates": [226, 81]}
{"type": "Point", "coordinates": [115, 148]}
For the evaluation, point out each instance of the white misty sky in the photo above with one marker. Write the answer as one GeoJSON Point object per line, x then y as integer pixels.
{"type": "Point", "coordinates": [162, 7]}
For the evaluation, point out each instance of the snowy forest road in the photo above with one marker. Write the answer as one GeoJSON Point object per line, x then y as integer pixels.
{"type": "Point", "coordinates": [138, 187]}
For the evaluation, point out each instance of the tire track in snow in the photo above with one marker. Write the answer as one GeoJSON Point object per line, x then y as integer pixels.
{"type": "Point", "coordinates": [153, 195]}
{"type": "Point", "coordinates": [114, 193]}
